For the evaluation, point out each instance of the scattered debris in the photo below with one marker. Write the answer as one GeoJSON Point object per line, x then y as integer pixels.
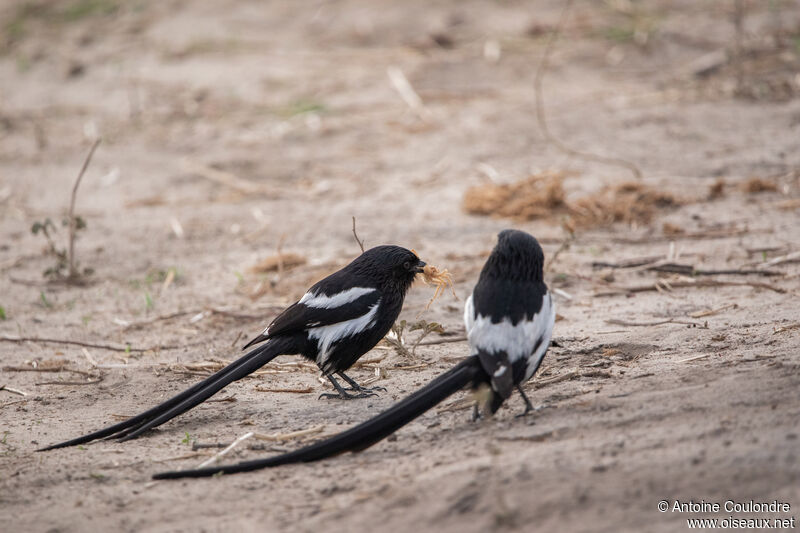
{"type": "Point", "coordinates": [757, 185]}
{"type": "Point", "coordinates": [278, 263]}
{"type": "Point", "coordinates": [542, 196]}
{"type": "Point", "coordinates": [534, 197]}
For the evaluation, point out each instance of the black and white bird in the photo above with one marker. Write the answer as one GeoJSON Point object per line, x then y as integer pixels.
{"type": "Point", "coordinates": [337, 321]}
{"type": "Point", "coordinates": [509, 319]}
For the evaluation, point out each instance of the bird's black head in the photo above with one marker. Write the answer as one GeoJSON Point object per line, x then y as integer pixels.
{"type": "Point", "coordinates": [517, 256]}
{"type": "Point", "coordinates": [389, 265]}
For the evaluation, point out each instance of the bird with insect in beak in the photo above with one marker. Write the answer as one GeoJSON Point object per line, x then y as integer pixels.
{"type": "Point", "coordinates": [509, 319]}
{"type": "Point", "coordinates": [336, 321]}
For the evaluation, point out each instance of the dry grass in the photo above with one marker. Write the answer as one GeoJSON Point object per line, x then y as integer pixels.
{"type": "Point", "coordinates": [278, 263]}
{"type": "Point", "coordinates": [757, 185]}
{"type": "Point", "coordinates": [632, 203]}
{"type": "Point", "coordinates": [535, 197]}
{"type": "Point", "coordinates": [543, 196]}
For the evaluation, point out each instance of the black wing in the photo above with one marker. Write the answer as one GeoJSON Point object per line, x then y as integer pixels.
{"type": "Point", "coordinates": [323, 307]}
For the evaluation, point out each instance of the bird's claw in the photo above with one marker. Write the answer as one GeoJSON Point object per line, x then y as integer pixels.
{"type": "Point", "coordinates": [366, 389]}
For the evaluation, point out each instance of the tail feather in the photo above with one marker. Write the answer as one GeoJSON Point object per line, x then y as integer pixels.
{"type": "Point", "coordinates": [363, 435]}
{"type": "Point", "coordinates": [182, 402]}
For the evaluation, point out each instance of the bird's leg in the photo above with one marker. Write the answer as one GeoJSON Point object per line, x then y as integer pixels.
{"type": "Point", "coordinates": [358, 388]}
{"type": "Point", "coordinates": [476, 414]}
{"type": "Point", "coordinates": [528, 405]}
{"type": "Point", "coordinates": [342, 394]}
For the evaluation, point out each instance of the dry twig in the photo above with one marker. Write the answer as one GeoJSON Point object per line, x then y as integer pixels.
{"type": "Point", "coordinates": [73, 270]}
{"type": "Point", "coordinates": [12, 390]}
{"type": "Point", "coordinates": [619, 322]}
{"type": "Point", "coordinates": [111, 347]}
{"type": "Point", "coordinates": [277, 437]}
{"type": "Point", "coordinates": [303, 390]}
{"type": "Point", "coordinates": [227, 450]}
{"type": "Point", "coordinates": [540, 115]}
{"type": "Point", "coordinates": [355, 235]}
{"type": "Point", "coordinates": [661, 285]}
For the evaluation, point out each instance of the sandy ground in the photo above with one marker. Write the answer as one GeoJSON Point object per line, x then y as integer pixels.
{"type": "Point", "coordinates": [231, 130]}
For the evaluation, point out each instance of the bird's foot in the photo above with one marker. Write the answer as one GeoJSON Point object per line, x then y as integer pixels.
{"type": "Point", "coordinates": [529, 410]}
{"type": "Point", "coordinates": [359, 388]}
{"type": "Point", "coordinates": [342, 395]}
{"type": "Point", "coordinates": [476, 414]}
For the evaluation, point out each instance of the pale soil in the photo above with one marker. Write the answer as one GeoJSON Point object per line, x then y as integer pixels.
{"type": "Point", "coordinates": [297, 99]}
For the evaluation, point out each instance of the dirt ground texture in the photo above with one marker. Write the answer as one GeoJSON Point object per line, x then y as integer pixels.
{"type": "Point", "coordinates": [235, 130]}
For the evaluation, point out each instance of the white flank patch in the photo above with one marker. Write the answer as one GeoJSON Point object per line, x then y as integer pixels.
{"type": "Point", "coordinates": [337, 300]}
{"type": "Point", "coordinates": [517, 341]}
{"type": "Point", "coordinates": [328, 335]}
{"type": "Point", "coordinates": [469, 314]}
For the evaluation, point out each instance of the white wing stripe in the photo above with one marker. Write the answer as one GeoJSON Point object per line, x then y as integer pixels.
{"type": "Point", "coordinates": [328, 335]}
{"type": "Point", "coordinates": [323, 301]}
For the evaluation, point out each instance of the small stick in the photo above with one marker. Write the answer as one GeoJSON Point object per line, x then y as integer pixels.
{"type": "Point", "coordinates": [690, 283]}
{"type": "Point", "coordinates": [4, 405]}
{"type": "Point", "coordinates": [70, 382]}
{"type": "Point", "coordinates": [359, 241]}
{"type": "Point", "coordinates": [224, 452]}
{"type": "Point", "coordinates": [190, 455]}
{"type": "Point", "coordinates": [788, 258]}
{"type": "Point", "coordinates": [695, 358]}
{"type": "Point", "coordinates": [224, 178]}
{"type": "Point", "coordinates": [89, 357]}
{"type": "Point", "coordinates": [457, 405]}
{"type": "Point", "coordinates": [776, 330]}
{"type": "Point", "coordinates": [572, 374]}
{"type": "Point", "coordinates": [404, 88]}
{"type": "Point", "coordinates": [304, 390]}
{"type": "Point", "coordinates": [709, 312]}
{"type": "Point", "coordinates": [73, 271]}
{"type": "Point", "coordinates": [288, 436]}
{"type": "Point", "coordinates": [444, 340]}
{"type": "Point", "coordinates": [225, 399]}
{"type": "Point", "coordinates": [8, 338]}
{"type": "Point", "coordinates": [540, 115]}
{"type": "Point", "coordinates": [59, 368]}
{"type": "Point", "coordinates": [13, 391]}
{"type": "Point", "coordinates": [619, 322]}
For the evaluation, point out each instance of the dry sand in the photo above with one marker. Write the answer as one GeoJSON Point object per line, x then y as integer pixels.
{"type": "Point", "coordinates": [231, 130]}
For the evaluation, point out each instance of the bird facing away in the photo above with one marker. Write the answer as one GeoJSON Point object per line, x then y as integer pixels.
{"type": "Point", "coordinates": [337, 321]}
{"type": "Point", "coordinates": [509, 319]}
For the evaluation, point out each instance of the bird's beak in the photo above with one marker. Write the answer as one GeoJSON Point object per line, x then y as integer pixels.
{"type": "Point", "coordinates": [419, 267]}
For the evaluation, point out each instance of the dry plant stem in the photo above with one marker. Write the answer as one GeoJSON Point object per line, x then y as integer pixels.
{"type": "Point", "coordinates": [618, 322]}
{"type": "Point", "coordinates": [12, 391]}
{"type": "Point", "coordinates": [788, 258]}
{"type": "Point", "coordinates": [695, 358]}
{"type": "Point", "coordinates": [304, 390]}
{"type": "Point", "coordinates": [684, 284]}
{"type": "Point", "coordinates": [73, 271]}
{"type": "Point", "coordinates": [443, 341]}
{"type": "Point", "coordinates": [355, 235]}
{"type": "Point", "coordinates": [70, 382]}
{"type": "Point", "coordinates": [540, 115]}
{"type": "Point", "coordinates": [225, 178]}
{"type": "Point", "coordinates": [8, 338]}
{"type": "Point", "coordinates": [277, 437]}
{"type": "Point", "coordinates": [60, 368]}
{"type": "Point", "coordinates": [227, 450]}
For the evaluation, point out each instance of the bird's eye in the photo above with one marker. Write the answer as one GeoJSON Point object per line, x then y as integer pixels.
{"type": "Point", "coordinates": [407, 265]}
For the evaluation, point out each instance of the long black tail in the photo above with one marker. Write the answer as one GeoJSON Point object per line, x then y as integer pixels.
{"type": "Point", "coordinates": [191, 397]}
{"type": "Point", "coordinates": [363, 435]}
